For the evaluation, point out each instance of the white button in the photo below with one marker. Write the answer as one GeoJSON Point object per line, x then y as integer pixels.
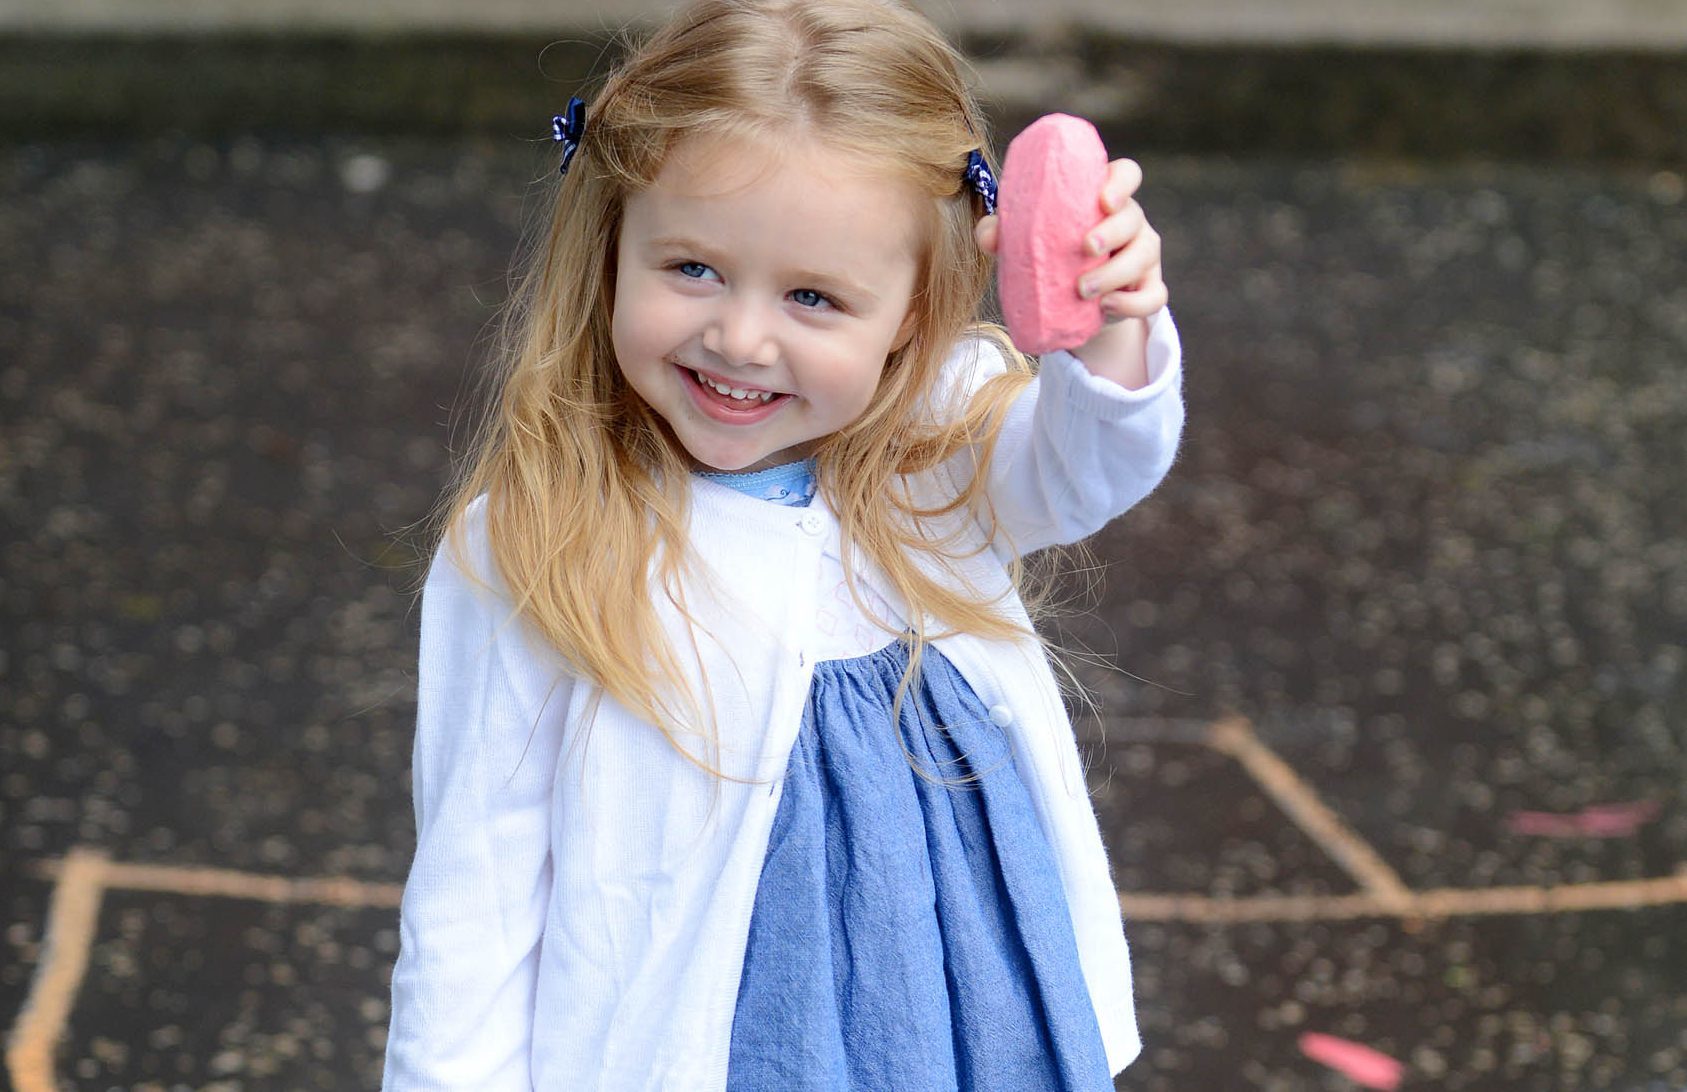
{"type": "Point", "coordinates": [811, 522]}
{"type": "Point", "coordinates": [1001, 716]}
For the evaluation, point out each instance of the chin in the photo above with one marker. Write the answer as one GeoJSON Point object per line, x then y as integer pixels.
{"type": "Point", "coordinates": [725, 464]}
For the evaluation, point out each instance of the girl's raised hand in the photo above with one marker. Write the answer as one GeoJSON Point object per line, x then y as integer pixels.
{"type": "Point", "coordinates": [1128, 283]}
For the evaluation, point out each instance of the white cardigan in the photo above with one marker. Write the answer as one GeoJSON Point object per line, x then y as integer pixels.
{"type": "Point", "coordinates": [577, 910]}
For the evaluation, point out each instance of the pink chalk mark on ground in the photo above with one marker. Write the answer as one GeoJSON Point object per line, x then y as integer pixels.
{"type": "Point", "coordinates": [1596, 821]}
{"type": "Point", "coordinates": [1358, 1063]}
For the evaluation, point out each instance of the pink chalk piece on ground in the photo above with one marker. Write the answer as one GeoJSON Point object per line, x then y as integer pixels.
{"type": "Point", "coordinates": [1597, 821]}
{"type": "Point", "coordinates": [1050, 198]}
{"type": "Point", "coordinates": [1358, 1063]}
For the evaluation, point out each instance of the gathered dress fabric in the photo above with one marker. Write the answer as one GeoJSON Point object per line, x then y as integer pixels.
{"type": "Point", "coordinates": [910, 929]}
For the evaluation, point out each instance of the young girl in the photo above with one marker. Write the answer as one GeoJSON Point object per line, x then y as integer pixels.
{"type": "Point", "coordinates": [738, 764]}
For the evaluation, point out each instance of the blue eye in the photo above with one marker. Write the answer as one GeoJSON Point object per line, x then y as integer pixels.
{"type": "Point", "coordinates": [808, 297]}
{"type": "Point", "coordinates": [694, 270]}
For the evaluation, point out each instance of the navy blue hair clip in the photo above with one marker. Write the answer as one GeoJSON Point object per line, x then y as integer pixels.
{"type": "Point", "coordinates": [568, 129]}
{"type": "Point", "coordinates": [981, 178]}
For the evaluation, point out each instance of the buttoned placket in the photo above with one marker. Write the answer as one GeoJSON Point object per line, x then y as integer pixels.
{"type": "Point", "coordinates": [813, 525]}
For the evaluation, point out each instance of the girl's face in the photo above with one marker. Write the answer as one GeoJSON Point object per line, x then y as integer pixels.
{"type": "Point", "coordinates": [757, 295]}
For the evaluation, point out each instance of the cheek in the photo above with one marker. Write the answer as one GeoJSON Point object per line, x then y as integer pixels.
{"type": "Point", "coordinates": [637, 327]}
{"type": "Point", "coordinates": [856, 392]}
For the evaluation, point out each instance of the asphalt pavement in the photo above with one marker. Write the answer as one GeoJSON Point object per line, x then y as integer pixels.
{"type": "Point", "coordinates": [1391, 673]}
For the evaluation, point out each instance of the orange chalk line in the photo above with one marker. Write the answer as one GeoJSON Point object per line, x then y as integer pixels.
{"type": "Point", "coordinates": [1142, 906]}
{"type": "Point", "coordinates": [1443, 902]}
{"type": "Point", "coordinates": [228, 883]}
{"type": "Point", "coordinates": [71, 920]}
{"type": "Point", "coordinates": [1235, 737]}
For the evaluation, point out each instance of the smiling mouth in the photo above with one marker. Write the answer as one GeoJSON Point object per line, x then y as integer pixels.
{"type": "Point", "coordinates": [747, 395]}
{"type": "Point", "coordinates": [731, 405]}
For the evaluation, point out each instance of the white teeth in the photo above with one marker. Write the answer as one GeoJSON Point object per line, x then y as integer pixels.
{"type": "Point", "coordinates": [739, 393]}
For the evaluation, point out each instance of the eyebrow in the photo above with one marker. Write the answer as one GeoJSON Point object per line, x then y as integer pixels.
{"type": "Point", "coordinates": [830, 283]}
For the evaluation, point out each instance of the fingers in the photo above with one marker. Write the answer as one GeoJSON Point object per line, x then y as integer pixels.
{"type": "Point", "coordinates": [988, 232]}
{"type": "Point", "coordinates": [1129, 283]}
{"type": "Point", "coordinates": [1124, 177]}
{"type": "Point", "coordinates": [1116, 230]}
{"type": "Point", "coordinates": [1127, 269]}
{"type": "Point", "coordinates": [1140, 301]}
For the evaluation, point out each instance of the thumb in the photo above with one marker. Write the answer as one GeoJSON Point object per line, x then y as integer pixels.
{"type": "Point", "coordinates": [988, 232]}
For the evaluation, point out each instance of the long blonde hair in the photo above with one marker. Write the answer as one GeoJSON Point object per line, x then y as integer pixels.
{"type": "Point", "coordinates": [587, 490]}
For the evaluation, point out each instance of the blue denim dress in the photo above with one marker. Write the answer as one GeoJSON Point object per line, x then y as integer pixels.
{"type": "Point", "coordinates": [910, 930]}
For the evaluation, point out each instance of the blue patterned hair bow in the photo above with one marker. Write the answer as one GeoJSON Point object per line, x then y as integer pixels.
{"type": "Point", "coordinates": [568, 129]}
{"type": "Point", "coordinates": [980, 178]}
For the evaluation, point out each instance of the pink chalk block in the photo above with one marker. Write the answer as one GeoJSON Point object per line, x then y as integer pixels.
{"type": "Point", "coordinates": [1050, 198]}
{"type": "Point", "coordinates": [1359, 1063]}
{"type": "Point", "coordinates": [1598, 821]}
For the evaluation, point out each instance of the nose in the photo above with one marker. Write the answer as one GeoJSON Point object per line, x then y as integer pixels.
{"type": "Point", "coordinates": [741, 332]}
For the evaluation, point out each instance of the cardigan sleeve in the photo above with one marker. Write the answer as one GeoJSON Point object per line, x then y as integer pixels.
{"type": "Point", "coordinates": [1076, 450]}
{"type": "Point", "coordinates": [489, 714]}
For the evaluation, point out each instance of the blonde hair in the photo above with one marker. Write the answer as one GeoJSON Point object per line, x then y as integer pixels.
{"type": "Point", "coordinates": [587, 489]}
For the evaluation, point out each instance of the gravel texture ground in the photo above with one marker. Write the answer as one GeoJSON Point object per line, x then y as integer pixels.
{"type": "Point", "coordinates": [1426, 535]}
